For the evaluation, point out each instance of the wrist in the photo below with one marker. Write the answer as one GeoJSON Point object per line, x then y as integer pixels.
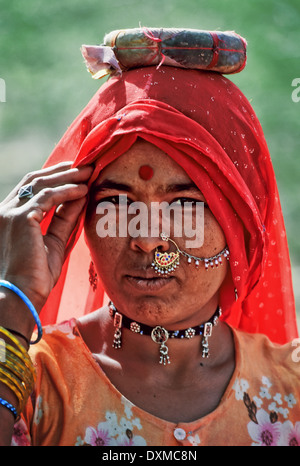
{"type": "Point", "coordinates": [14, 315]}
{"type": "Point", "coordinates": [10, 286]}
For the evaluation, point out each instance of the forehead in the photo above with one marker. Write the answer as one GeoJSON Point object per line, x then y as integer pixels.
{"type": "Point", "coordinates": [127, 166]}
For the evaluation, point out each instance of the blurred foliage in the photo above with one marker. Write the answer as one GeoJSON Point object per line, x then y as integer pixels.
{"type": "Point", "coordinates": [47, 85]}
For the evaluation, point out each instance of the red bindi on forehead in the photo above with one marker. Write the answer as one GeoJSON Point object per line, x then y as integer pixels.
{"type": "Point", "coordinates": [146, 172]}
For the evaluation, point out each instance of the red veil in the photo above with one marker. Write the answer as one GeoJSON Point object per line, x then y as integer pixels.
{"type": "Point", "coordinates": [204, 122]}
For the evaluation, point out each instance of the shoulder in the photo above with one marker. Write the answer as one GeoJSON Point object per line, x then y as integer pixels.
{"type": "Point", "coordinates": [58, 340]}
{"type": "Point", "coordinates": [262, 352]}
{"type": "Point", "coordinates": [267, 375]}
{"type": "Point", "coordinates": [266, 386]}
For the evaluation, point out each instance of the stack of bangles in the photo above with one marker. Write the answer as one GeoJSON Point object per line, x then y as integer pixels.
{"type": "Point", "coordinates": [16, 368]}
{"type": "Point", "coordinates": [16, 371]}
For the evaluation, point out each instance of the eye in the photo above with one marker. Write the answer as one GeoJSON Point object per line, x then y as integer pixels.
{"type": "Point", "coordinates": [118, 200]}
{"type": "Point", "coordinates": [187, 202]}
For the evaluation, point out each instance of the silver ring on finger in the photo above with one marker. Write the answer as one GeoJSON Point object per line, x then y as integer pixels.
{"type": "Point", "coordinates": [26, 192]}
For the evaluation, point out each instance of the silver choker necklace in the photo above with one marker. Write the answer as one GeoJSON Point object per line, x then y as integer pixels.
{"type": "Point", "coordinates": [160, 335]}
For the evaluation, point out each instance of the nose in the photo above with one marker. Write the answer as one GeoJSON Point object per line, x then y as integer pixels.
{"type": "Point", "coordinates": [148, 244]}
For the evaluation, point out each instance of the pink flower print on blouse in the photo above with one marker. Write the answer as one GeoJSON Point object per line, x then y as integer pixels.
{"type": "Point", "coordinates": [99, 437]}
{"type": "Point", "coordinates": [130, 440]}
{"type": "Point", "coordinates": [290, 434]}
{"type": "Point", "coordinates": [264, 432]}
{"type": "Point", "coordinates": [20, 436]}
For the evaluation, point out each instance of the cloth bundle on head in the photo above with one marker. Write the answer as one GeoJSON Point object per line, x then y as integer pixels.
{"type": "Point", "coordinates": [124, 49]}
{"type": "Point", "coordinates": [204, 122]}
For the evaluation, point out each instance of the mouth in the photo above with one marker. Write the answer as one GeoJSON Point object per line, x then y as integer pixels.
{"type": "Point", "coordinates": [149, 282]}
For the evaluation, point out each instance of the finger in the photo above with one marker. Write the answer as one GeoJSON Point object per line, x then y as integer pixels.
{"type": "Point", "coordinates": [56, 179]}
{"type": "Point", "coordinates": [27, 179]}
{"type": "Point", "coordinates": [48, 198]}
{"type": "Point", "coordinates": [59, 167]}
{"type": "Point", "coordinates": [52, 176]}
{"type": "Point", "coordinates": [64, 222]}
{"type": "Point", "coordinates": [73, 175]}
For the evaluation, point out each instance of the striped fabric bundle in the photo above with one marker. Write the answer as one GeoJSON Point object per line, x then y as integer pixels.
{"type": "Point", "coordinates": [224, 52]}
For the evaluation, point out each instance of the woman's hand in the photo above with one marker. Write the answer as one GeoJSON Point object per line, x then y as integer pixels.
{"type": "Point", "coordinates": [28, 259]}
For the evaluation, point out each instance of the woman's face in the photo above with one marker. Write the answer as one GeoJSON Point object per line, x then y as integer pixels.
{"type": "Point", "coordinates": [123, 258]}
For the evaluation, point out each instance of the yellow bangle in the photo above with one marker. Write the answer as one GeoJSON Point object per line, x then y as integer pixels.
{"type": "Point", "coordinates": [15, 390]}
{"type": "Point", "coordinates": [18, 370]}
{"type": "Point", "coordinates": [18, 356]}
{"type": "Point", "coordinates": [18, 387]}
{"type": "Point", "coordinates": [14, 340]}
{"type": "Point", "coordinates": [6, 374]}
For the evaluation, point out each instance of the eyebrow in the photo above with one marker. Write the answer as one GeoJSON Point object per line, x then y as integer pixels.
{"type": "Point", "coordinates": [109, 184]}
{"type": "Point", "coordinates": [172, 188]}
{"type": "Point", "coordinates": [176, 187]}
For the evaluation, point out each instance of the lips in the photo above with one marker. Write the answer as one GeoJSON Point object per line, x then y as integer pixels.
{"type": "Point", "coordinates": [148, 275]}
{"type": "Point", "coordinates": [149, 282]}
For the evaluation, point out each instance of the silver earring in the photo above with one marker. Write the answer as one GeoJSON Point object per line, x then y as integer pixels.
{"type": "Point", "coordinates": [93, 277]}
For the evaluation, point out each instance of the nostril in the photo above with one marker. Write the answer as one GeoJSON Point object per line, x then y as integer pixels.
{"type": "Point", "coordinates": [148, 244]}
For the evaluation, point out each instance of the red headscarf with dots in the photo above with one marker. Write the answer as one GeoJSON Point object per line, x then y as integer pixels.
{"type": "Point", "coordinates": [205, 123]}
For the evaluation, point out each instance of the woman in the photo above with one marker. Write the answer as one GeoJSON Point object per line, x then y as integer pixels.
{"type": "Point", "coordinates": [154, 135]}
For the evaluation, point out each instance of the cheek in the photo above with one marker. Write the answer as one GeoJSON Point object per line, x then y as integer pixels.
{"type": "Point", "coordinates": [100, 248]}
{"type": "Point", "coordinates": [105, 252]}
{"type": "Point", "coordinates": [214, 238]}
{"type": "Point", "coordinates": [202, 284]}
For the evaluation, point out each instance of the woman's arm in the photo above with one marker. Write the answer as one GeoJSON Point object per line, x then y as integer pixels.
{"type": "Point", "coordinates": [32, 261]}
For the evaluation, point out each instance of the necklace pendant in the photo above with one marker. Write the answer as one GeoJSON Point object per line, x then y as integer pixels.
{"type": "Point", "coordinates": [206, 334]}
{"type": "Point", "coordinates": [160, 336]}
{"type": "Point", "coordinates": [205, 348]}
{"type": "Point", "coordinates": [164, 358]}
{"type": "Point", "coordinates": [117, 342]}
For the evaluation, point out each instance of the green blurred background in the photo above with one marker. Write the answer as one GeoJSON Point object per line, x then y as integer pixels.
{"type": "Point", "coordinates": [47, 83]}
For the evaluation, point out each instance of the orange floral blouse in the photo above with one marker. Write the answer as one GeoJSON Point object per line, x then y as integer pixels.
{"type": "Point", "coordinates": [74, 403]}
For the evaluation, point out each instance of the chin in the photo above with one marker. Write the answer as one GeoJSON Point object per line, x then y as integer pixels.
{"type": "Point", "coordinates": [151, 310]}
